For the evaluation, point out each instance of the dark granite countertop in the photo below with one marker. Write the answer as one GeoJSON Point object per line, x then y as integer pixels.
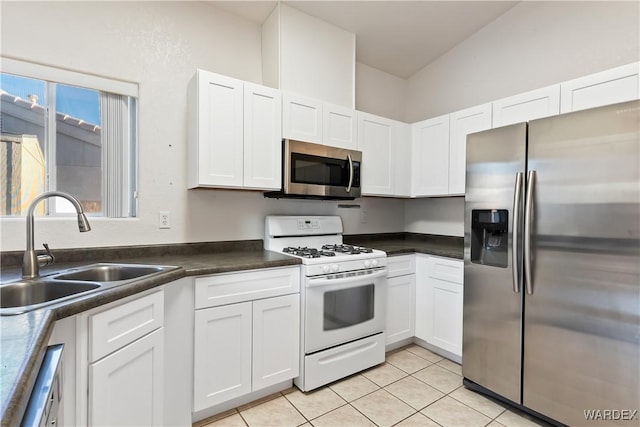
{"type": "Point", "coordinates": [24, 337]}
{"type": "Point", "coordinates": [408, 243]}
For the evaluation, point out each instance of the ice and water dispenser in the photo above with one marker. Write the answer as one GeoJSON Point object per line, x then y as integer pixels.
{"type": "Point", "coordinates": [490, 237]}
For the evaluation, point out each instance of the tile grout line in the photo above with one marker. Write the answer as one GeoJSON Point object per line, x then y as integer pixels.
{"type": "Point", "coordinates": [406, 375]}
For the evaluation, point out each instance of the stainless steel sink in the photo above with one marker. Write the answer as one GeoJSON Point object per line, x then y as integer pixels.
{"type": "Point", "coordinates": [31, 292]}
{"type": "Point", "coordinates": [109, 273]}
{"type": "Point", "coordinates": [26, 295]}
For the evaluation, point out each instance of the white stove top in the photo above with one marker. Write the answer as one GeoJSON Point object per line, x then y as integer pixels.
{"type": "Point", "coordinates": [317, 241]}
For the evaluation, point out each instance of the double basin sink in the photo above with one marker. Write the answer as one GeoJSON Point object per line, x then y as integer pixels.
{"type": "Point", "coordinates": [26, 295]}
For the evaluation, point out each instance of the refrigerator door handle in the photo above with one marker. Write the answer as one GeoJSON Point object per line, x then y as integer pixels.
{"type": "Point", "coordinates": [517, 202]}
{"type": "Point", "coordinates": [531, 178]}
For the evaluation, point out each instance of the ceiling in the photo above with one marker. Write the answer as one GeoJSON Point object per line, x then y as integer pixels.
{"type": "Point", "coordinates": [397, 37]}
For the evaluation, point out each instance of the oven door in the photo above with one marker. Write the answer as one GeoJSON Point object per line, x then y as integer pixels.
{"type": "Point", "coordinates": [344, 307]}
{"type": "Point", "coordinates": [319, 170]}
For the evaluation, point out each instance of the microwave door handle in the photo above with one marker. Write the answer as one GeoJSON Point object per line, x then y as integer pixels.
{"type": "Point", "coordinates": [350, 172]}
{"type": "Point", "coordinates": [325, 281]}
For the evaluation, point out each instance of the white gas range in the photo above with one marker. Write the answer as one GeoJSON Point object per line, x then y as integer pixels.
{"type": "Point", "coordinates": [342, 297]}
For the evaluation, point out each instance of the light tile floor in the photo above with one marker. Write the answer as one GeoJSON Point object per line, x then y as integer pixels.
{"type": "Point", "coordinates": [414, 387]}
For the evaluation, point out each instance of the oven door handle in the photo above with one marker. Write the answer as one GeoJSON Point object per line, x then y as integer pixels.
{"type": "Point", "coordinates": [350, 173]}
{"type": "Point", "coordinates": [324, 281]}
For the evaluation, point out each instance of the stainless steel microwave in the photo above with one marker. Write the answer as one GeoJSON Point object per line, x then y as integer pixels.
{"type": "Point", "coordinates": [319, 171]}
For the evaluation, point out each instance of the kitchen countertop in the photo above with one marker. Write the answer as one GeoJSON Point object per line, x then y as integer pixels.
{"type": "Point", "coordinates": [408, 243]}
{"type": "Point", "coordinates": [24, 337]}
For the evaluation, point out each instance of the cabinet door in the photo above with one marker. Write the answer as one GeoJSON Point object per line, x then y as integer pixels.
{"type": "Point", "coordinates": [400, 308]}
{"type": "Point", "coordinates": [430, 157]}
{"type": "Point", "coordinates": [446, 320]}
{"type": "Point", "coordinates": [608, 87]}
{"type": "Point", "coordinates": [276, 340]}
{"type": "Point", "coordinates": [262, 137]}
{"type": "Point", "coordinates": [301, 118]}
{"type": "Point", "coordinates": [219, 130]}
{"type": "Point", "coordinates": [462, 123]}
{"type": "Point", "coordinates": [339, 127]}
{"type": "Point", "coordinates": [126, 388]}
{"type": "Point", "coordinates": [376, 137]}
{"type": "Point", "coordinates": [222, 354]}
{"type": "Point", "coordinates": [121, 325]}
{"type": "Point", "coordinates": [445, 288]}
{"type": "Point", "coordinates": [402, 166]}
{"type": "Point", "coordinates": [401, 265]}
{"type": "Point", "coordinates": [523, 107]}
{"type": "Point", "coordinates": [423, 302]}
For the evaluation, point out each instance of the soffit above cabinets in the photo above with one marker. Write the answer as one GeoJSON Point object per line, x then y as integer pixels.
{"type": "Point", "coordinates": [397, 37]}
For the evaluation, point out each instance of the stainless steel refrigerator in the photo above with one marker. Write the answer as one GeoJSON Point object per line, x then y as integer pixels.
{"type": "Point", "coordinates": [552, 265]}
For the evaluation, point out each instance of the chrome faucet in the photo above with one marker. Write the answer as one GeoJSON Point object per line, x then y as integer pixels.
{"type": "Point", "coordinates": [31, 261]}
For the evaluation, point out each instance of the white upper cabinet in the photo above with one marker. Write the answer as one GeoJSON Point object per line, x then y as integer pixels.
{"type": "Point", "coordinates": [376, 139]}
{"type": "Point", "coordinates": [215, 131]}
{"type": "Point", "coordinates": [608, 87]}
{"type": "Point", "coordinates": [262, 137]}
{"type": "Point", "coordinates": [234, 126]}
{"type": "Point", "coordinates": [339, 126]}
{"type": "Point", "coordinates": [403, 160]}
{"type": "Point", "coordinates": [430, 157]}
{"type": "Point", "coordinates": [462, 123]}
{"type": "Point", "coordinates": [311, 120]}
{"type": "Point", "coordinates": [301, 118]}
{"type": "Point", "coordinates": [535, 104]}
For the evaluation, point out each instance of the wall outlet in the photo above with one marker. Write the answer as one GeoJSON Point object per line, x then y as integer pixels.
{"type": "Point", "coordinates": [164, 219]}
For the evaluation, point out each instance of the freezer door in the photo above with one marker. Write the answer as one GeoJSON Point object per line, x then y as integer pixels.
{"type": "Point", "coordinates": [492, 321]}
{"type": "Point", "coordinates": [582, 320]}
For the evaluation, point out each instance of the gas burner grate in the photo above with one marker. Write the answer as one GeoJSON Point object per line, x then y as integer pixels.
{"type": "Point", "coordinates": [348, 249]}
{"type": "Point", "coordinates": [306, 252]}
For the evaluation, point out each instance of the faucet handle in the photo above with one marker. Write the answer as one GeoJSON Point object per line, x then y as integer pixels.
{"type": "Point", "coordinates": [48, 258]}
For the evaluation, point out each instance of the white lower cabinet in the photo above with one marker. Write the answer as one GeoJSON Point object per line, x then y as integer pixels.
{"type": "Point", "coordinates": [126, 387]}
{"type": "Point", "coordinates": [222, 354]}
{"type": "Point", "coordinates": [401, 283]}
{"type": "Point", "coordinates": [423, 305]}
{"type": "Point", "coordinates": [243, 347]}
{"type": "Point", "coordinates": [400, 307]}
{"type": "Point", "coordinates": [124, 362]}
{"type": "Point", "coordinates": [276, 340]}
{"type": "Point", "coordinates": [439, 302]}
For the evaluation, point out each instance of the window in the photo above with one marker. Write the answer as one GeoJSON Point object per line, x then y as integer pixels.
{"type": "Point", "coordinates": [70, 132]}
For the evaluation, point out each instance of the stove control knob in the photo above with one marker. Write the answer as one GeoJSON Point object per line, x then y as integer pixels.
{"type": "Point", "coordinates": [374, 263]}
{"type": "Point", "coordinates": [334, 268]}
{"type": "Point", "coordinates": [367, 264]}
{"type": "Point", "coordinates": [325, 268]}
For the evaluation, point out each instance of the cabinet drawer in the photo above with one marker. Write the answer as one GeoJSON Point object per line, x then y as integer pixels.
{"type": "Point", "coordinates": [401, 265]}
{"type": "Point", "coordinates": [114, 328]}
{"type": "Point", "coordinates": [231, 288]}
{"type": "Point", "coordinates": [446, 269]}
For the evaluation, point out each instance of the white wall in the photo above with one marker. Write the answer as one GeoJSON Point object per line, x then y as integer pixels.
{"type": "Point", "coordinates": [159, 45]}
{"type": "Point", "coordinates": [443, 216]}
{"type": "Point", "coordinates": [532, 45]}
{"type": "Point", "coordinates": [380, 93]}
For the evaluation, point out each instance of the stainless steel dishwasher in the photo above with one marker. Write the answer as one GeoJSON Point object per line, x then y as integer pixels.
{"type": "Point", "coordinates": [42, 409]}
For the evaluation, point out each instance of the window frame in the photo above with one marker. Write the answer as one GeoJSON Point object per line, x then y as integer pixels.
{"type": "Point", "coordinates": [103, 84]}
